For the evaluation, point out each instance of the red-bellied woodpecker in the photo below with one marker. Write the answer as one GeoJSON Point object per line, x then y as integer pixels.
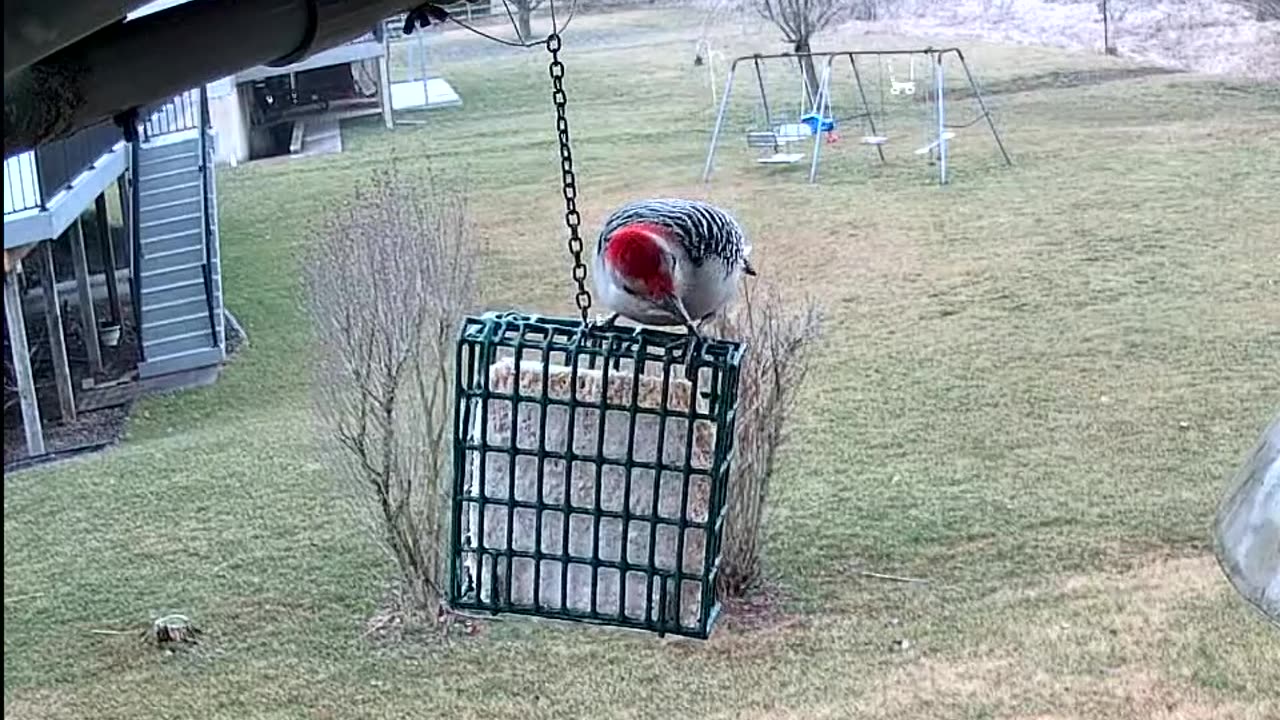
{"type": "Point", "coordinates": [669, 262]}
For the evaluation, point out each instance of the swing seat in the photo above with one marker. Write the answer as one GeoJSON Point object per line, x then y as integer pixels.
{"type": "Point", "coordinates": [874, 139]}
{"type": "Point", "coordinates": [781, 158]}
{"type": "Point", "coordinates": [816, 123]}
{"type": "Point", "coordinates": [793, 132]}
{"type": "Point", "coordinates": [945, 136]}
{"type": "Point", "coordinates": [772, 140]}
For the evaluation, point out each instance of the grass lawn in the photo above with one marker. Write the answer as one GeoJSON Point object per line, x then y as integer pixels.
{"type": "Point", "coordinates": [1034, 384]}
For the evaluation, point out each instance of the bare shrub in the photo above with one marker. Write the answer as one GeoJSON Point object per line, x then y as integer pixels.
{"type": "Point", "coordinates": [780, 338]}
{"type": "Point", "coordinates": [389, 278]}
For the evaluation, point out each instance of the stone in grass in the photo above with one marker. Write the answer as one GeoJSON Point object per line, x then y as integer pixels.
{"type": "Point", "coordinates": [172, 632]}
{"type": "Point", "coordinates": [615, 596]}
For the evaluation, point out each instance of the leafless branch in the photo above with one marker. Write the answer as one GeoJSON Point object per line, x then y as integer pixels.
{"type": "Point", "coordinates": [390, 276]}
{"type": "Point", "coordinates": [780, 338]}
{"type": "Point", "coordinates": [799, 21]}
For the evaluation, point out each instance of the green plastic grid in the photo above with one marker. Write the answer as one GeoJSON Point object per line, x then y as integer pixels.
{"type": "Point", "coordinates": [658, 591]}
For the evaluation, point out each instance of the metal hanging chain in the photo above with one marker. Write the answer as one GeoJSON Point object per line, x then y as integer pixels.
{"type": "Point", "coordinates": [428, 13]}
{"type": "Point", "coordinates": [571, 217]}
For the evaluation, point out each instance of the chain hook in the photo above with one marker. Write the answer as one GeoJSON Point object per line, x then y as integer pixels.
{"type": "Point", "coordinates": [572, 219]}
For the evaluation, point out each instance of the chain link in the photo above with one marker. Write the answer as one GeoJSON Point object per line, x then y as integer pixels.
{"type": "Point", "coordinates": [571, 217]}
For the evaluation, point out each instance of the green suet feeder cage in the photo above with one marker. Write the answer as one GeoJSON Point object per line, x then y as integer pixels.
{"type": "Point", "coordinates": [590, 472]}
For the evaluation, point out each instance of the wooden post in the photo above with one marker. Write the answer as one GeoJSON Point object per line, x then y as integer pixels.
{"type": "Point", "coordinates": [22, 364]}
{"type": "Point", "coordinates": [108, 258]}
{"type": "Point", "coordinates": [384, 81]}
{"type": "Point", "coordinates": [57, 338]}
{"type": "Point", "coordinates": [122, 186]}
{"type": "Point", "coordinates": [13, 257]}
{"type": "Point", "coordinates": [88, 318]}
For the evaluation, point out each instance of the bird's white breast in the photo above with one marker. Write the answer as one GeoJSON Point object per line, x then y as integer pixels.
{"type": "Point", "coordinates": [706, 289]}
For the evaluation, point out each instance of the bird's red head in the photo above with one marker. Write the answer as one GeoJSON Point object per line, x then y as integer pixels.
{"type": "Point", "coordinates": [636, 253]}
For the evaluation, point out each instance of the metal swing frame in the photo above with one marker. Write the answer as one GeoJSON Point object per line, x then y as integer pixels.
{"type": "Point", "coordinates": [936, 57]}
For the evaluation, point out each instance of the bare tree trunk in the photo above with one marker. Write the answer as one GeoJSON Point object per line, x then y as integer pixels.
{"type": "Point", "coordinates": [524, 24]}
{"type": "Point", "coordinates": [798, 22]}
{"type": "Point", "coordinates": [801, 47]}
{"type": "Point", "coordinates": [1108, 46]}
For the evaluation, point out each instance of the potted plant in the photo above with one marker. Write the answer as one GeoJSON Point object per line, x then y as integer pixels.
{"type": "Point", "coordinates": [109, 333]}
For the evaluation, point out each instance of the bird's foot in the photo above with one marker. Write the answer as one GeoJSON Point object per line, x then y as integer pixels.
{"type": "Point", "coordinates": [693, 350]}
{"type": "Point", "coordinates": [705, 322]}
{"type": "Point", "coordinates": [602, 322]}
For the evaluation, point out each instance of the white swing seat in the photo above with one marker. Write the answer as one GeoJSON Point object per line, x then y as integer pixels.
{"type": "Point", "coordinates": [781, 158]}
{"type": "Point", "coordinates": [793, 132]}
{"type": "Point", "coordinates": [945, 136]}
{"type": "Point", "coordinates": [874, 139]}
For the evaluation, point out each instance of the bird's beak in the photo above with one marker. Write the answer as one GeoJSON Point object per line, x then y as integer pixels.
{"type": "Point", "coordinates": [672, 304]}
{"type": "Point", "coordinates": [747, 269]}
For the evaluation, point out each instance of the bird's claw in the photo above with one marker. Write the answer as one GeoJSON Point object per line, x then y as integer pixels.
{"type": "Point", "coordinates": [693, 350]}
{"type": "Point", "coordinates": [602, 322]}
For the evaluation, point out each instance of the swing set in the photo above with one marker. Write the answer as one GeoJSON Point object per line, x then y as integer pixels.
{"type": "Point", "coordinates": [820, 122]}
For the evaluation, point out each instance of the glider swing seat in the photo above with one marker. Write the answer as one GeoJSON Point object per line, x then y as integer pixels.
{"type": "Point", "coordinates": [774, 140]}
{"type": "Point", "coordinates": [820, 121]}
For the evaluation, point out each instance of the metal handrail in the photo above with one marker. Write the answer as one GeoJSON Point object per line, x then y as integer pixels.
{"type": "Point", "coordinates": [206, 213]}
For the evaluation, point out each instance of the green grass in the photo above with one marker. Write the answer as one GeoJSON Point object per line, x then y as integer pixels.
{"type": "Point", "coordinates": [1033, 386]}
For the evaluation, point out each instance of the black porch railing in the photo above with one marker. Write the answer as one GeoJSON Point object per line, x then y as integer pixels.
{"type": "Point", "coordinates": [177, 114]}
{"type": "Point", "coordinates": [34, 178]}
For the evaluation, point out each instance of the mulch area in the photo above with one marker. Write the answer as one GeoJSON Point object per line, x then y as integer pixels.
{"type": "Point", "coordinates": [93, 429]}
